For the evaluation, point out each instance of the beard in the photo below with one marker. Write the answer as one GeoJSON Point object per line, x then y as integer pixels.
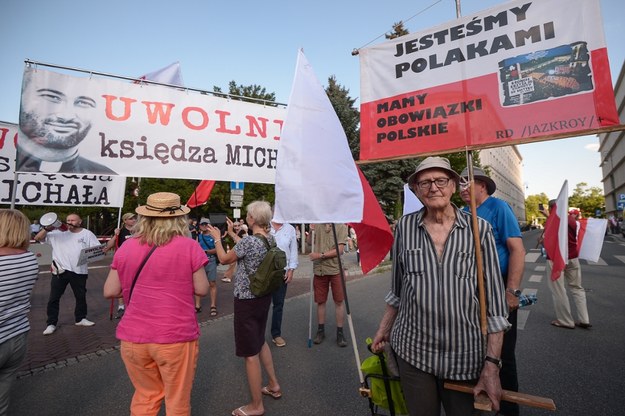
{"type": "Point", "coordinates": [53, 132]}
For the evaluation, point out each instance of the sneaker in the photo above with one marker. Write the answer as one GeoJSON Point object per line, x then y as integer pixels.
{"type": "Point", "coordinates": [49, 330]}
{"type": "Point", "coordinates": [279, 341]}
{"type": "Point", "coordinates": [120, 313]}
{"type": "Point", "coordinates": [340, 340]}
{"type": "Point", "coordinates": [85, 322]}
{"type": "Point", "coordinates": [321, 335]}
{"type": "Point", "coordinates": [226, 280]}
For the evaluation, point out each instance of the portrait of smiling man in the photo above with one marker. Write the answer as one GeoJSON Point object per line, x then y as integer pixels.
{"type": "Point", "coordinates": [55, 117]}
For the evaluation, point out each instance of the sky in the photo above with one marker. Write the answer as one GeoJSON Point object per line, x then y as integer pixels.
{"type": "Point", "coordinates": [253, 42]}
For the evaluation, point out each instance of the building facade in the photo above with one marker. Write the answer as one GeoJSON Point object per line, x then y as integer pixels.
{"type": "Point", "coordinates": [612, 150]}
{"type": "Point", "coordinates": [505, 166]}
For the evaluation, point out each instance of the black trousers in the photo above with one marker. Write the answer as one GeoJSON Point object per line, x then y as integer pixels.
{"type": "Point", "coordinates": [508, 374]}
{"type": "Point", "coordinates": [78, 282]}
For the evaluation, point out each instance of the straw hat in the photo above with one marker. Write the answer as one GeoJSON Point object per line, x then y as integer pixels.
{"type": "Point", "coordinates": [480, 175]}
{"type": "Point", "coordinates": [433, 162]}
{"type": "Point", "coordinates": [162, 204]}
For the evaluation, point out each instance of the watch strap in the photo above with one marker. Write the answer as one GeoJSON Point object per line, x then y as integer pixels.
{"type": "Point", "coordinates": [496, 361]}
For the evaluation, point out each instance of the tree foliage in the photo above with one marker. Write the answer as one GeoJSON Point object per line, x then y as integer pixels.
{"type": "Point", "coordinates": [532, 213]}
{"type": "Point", "coordinates": [587, 199]}
{"type": "Point", "coordinates": [397, 31]}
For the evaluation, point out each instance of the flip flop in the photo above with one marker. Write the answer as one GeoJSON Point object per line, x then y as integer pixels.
{"type": "Point", "coordinates": [213, 311]}
{"type": "Point", "coordinates": [268, 392]}
{"type": "Point", "coordinates": [559, 324]}
{"type": "Point", "coordinates": [240, 412]}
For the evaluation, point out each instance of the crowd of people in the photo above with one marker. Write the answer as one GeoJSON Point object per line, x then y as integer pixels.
{"type": "Point", "coordinates": [159, 276]}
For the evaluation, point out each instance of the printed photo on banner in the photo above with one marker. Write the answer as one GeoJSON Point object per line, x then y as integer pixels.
{"type": "Point", "coordinates": [99, 125]}
{"type": "Point", "coordinates": [516, 73]}
{"type": "Point", "coordinates": [53, 188]}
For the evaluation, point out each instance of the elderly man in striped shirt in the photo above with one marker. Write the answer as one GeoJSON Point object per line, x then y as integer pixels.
{"type": "Point", "coordinates": [432, 316]}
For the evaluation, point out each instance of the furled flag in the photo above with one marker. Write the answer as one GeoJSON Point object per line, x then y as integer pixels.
{"type": "Point", "coordinates": [556, 233]}
{"type": "Point", "coordinates": [590, 238]}
{"type": "Point", "coordinates": [171, 75]}
{"type": "Point", "coordinates": [317, 180]}
{"type": "Point", "coordinates": [411, 202]}
{"type": "Point", "coordinates": [201, 194]}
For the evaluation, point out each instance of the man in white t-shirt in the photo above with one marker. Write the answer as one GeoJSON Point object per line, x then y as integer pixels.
{"type": "Point", "coordinates": [66, 248]}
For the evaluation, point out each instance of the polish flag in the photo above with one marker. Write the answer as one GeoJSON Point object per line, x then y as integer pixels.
{"type": "Point", "coordinates": [317, 180]}
{"type": "Point", "coordinates": [171, 75]}
{"type": "Point", "coordinates": [201, 194]}
{"type": "Point", "coordinates": [556, 233]}
{"type": "Point", "coordinates": [411, 202]}
{"type": "Point", "coordinates": [590, 235]}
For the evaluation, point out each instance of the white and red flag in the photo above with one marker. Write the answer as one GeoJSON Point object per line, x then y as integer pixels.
{"type": "Point", "coordinates": [201, 194]}
{"type": "Point", "coordinates": [411, 202]}
{"type": "Point", "coordinates": [556, 233]}
{"type": "Point", "coordinates": [171, 74]}
{"type": "Point", "coordinates": [317, 180]}
{"type": "Point", "coordinates": [590, 238]}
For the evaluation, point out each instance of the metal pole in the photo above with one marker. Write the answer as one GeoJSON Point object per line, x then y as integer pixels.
{"type": "Point", "coordinates": [310, 305]}
{"type": "Point", "coordinates": [347, 311]}
{"type": "Point", "coordinates": [16, 177]}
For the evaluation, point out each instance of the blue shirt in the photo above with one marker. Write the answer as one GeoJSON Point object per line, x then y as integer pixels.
{"type": "Point", "coordinates": [501, 218]}
{"type": "Point", "coordinates": [207, 242]}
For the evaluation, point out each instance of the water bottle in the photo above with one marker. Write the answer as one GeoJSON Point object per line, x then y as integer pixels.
{"type": "Point", "coordinates": [526, 300]}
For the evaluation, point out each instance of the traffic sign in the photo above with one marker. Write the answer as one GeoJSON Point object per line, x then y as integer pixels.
{"type": "Point", "coordinates": [236, 198]}
{"type": "Point", "coordinates": [620, 205]}
{"type": "Point", "coordinates": [236, 204]}
{"type": "Point", "coordinates": [237, 185]}
{"type": "Point", "coordinates": [236, 192]}
{"type": "Point", "coordinates": [621, 197]}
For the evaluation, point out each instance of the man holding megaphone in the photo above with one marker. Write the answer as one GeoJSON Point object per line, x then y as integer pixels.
{"type": "Point", "coordinates": [67, 240]}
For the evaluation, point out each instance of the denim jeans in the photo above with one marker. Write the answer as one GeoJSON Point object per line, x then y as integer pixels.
{"type": "Point", "coordinates": [12, 353]}
{"type": "Point", "coordinates": [276, 317]}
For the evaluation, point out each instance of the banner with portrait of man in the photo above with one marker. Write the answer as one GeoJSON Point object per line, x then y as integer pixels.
{"type": "Point", "coordinates": [519, 72]}
{"type": "Point", "coordinates": [103, 125]}
{"type": "Point", "coordinates": [53, 188]}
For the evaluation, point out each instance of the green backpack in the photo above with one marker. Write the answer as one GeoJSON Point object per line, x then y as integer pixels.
{"type": "Point", "coordinates": [270, 273]}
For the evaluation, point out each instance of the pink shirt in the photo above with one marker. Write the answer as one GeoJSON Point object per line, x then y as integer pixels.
{"type": "Point", "coordinates": [162, 308]}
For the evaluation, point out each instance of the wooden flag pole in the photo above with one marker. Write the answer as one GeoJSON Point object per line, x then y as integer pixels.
{"type": "Point", "coordinates": [482, 402]}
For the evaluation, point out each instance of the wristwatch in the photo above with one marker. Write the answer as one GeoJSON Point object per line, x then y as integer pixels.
{"type": "Point", "coordinates": [496, 361]}
{"type": "Point", "coordinates": [515, 292]}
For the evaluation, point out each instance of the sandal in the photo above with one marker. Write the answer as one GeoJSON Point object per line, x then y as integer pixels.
{"type": "Point", "coordinates": [561, 325]}
{"type": "Point", "coordinates": [240, 412]}
{"type": "Point", "coordinates": [268, 392]}
{"type": "Point", "coordinates": [198, 309]}
{"type": "Point", "coordinates": [213, 311]}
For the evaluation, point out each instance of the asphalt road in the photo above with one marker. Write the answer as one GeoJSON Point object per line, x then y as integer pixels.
{"type": "Point", "coordinates": [581, 370]}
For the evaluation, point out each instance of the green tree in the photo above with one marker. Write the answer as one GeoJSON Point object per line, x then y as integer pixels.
{"type": "Point", "coordinates": [587, 199]}
{"type": "Point", "coordinates": [398, 30]}
{"type": "Point", "coordinates": [531, 208]}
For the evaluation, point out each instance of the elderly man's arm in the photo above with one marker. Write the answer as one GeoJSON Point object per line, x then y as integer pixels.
{"type": "Point", "coordinates": [489, 377]}
{"type": "Point", "coordinates": [516, 265]}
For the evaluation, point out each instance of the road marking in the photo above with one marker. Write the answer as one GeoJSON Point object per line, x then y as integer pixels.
{"type": "Point", "coordinates": [521, 318]}
{"type": "Point", "coordinates": [540, 268]}
{"type": "Point", "coordinates": [621, 258]}
{"type": "Point", "coordinates": [536, 278]}
{"type": "Point", "coordinates": [532, 257]}
{"type": "Point", "coordinates": [601, 262]}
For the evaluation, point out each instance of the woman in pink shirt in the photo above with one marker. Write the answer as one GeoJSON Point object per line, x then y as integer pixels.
{"type": "Point", "coordinates": [159, 330]}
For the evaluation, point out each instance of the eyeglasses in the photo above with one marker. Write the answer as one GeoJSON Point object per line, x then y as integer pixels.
{"type": "Point", "coordinates": [439, 182]}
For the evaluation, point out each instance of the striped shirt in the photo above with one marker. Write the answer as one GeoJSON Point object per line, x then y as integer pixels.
{"type": "Point", "coordinates": [437, 327]}
{"type": "Point", "coordinates": [18, 273]}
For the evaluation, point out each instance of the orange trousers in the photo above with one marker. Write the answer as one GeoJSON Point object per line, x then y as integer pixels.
{"type": "Point", "coordinates": [161, 371]}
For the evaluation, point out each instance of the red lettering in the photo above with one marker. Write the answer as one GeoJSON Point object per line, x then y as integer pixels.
{"type": "Point", "coordinates": [155, 109]}
{"type": "Point", "coordinates": [187, 122]}
{"type": "Point", "coordinates": [261, 127]}
{"type": "Point", "coordinates": [109, 107]}
{"type": "Point", "coordinates": [222, 123]}
{"type": "Point", "coordinates": [279, 123]}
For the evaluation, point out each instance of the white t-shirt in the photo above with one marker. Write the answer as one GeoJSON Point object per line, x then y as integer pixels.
{"type": "Point", "coordinates": [66, 247]}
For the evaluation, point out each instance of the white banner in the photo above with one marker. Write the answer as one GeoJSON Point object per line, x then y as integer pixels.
{"type": "Point", "coordinates": [54, 188]}
{"type": "Point", "coordinates": [103, 125]}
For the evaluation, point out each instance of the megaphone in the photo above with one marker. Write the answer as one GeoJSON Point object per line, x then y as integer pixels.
{"type": "Point", "coordinates": [52, 220]}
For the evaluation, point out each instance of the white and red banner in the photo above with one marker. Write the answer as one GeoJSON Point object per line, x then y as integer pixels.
{"type": "Point", "coordinates": [511, 74]}
{"type": "Point", "coordinates": [590, 235]}
{"type": "Point", "coordinates": [148, 130]}
{"type": "Point", "coordinates": [556, 237]}
{"type": "Point", "coordinates": [54, 188]}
